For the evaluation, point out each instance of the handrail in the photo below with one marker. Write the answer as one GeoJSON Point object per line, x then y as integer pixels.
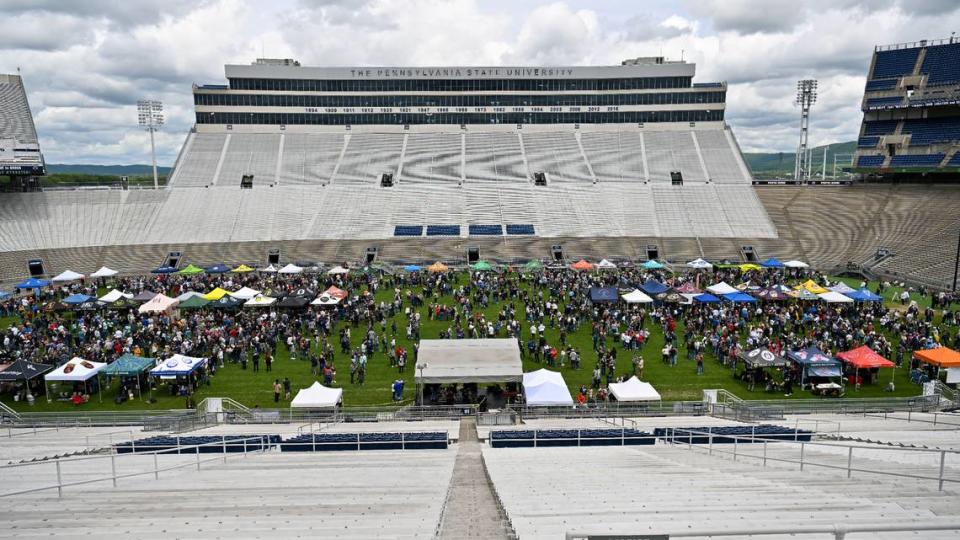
{"type": "Point", "coordinates": [838, 530]}
{"type": "Point", "coordinates": [6, 411]}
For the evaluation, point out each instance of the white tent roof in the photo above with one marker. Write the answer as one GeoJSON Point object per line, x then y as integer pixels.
{"type": "Point", "coordinates": [636, 296]}
{"type": "Point", "coordinates": [606, 264]}
{"type": "Point", "coordinates": [325, 300]}
{"type": "Point", "coordinates": [177, 364]}
{"type": "Point", "coordinates": [469, 361]}
{"type": "Point", "coordinates": [245, 293]}
{"type": "Point", "coordinates": [834, 297]}
{"type": "Point", "coordinates": [188, 295]}
{"type": "Point", "coordinates": [159, 304]}
{"type": "Point", "coordinates": [67, 275]}
{"type": "Point", "coordinates": [75, 370]}
{"type": "Point", "coordinates": [841, 288]}
{"type": "Point", "coordinates": [722, 288]}
{"type": "Point", "coordinates": [634, 390]}
{"type": "Point", "coordinates": [270, 269]}
{"type": "Point", "coordinates": [545, 387]}
{"type": "Point", "coordinates": [688, 297]}
{"type": "Point", "coordinates": [796, 264]}
{"type": "Point", "coordinates": [260, 301]}
{"type": "Point", "coordinates": [113, 296]}
{"type": "Point", "coordinates": [104, 272]}
{"type": "Point", "coordinates": [699, 263]}
{"type": "Point", "coordinates": [317, 396]}
{"type": "Point", "coordinates": [338, 270]}
{"type": "Point", "coordinates": [290, 269]}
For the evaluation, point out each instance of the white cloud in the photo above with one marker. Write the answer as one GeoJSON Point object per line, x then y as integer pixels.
{"type": "Point", "coordinates": [86, 63]}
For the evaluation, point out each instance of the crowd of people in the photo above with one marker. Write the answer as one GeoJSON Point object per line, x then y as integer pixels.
{"type": "Point", "coordinates": [380, 323]}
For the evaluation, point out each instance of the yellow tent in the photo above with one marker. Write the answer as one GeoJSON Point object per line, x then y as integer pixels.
{"type": "Point", "coordinates": [749, 266]}
{"type": "Point", "coordinates": [438, 267]}
{"type": "Point", "coordinates": [216, 294]}
{"type": "Point", "coordinates": [242, 269]}
{"type": "Point", "coordinates": [811, 286]}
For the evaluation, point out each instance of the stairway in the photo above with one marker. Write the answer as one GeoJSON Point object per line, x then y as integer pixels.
{"type": "Point", "coordinates": [471, 509]}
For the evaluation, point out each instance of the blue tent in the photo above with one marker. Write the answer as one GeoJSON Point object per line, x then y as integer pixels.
{"type": "Point", "coordinates": [603, 294]}
{"type": "Point", "coordinates": [653, 287]}
{"type": "Point", "coordinates": [164, 270]}
{"type": "Point", "coordinates": [652, 265]}
{"type": "Point", "coordinates": [771, 263]}
{"type": "Point", "coordinates": [815, 363]}
{"type": "Point", "coordinates": [739, 297]}
{"type": "Point", "coordinates": [217, 269]}
{"type": "Point", "coordinates": [32, 283]}
{"type": "Point", "coordinates": [77, 299]}
{"type": "Point", "coordinates": [863, 295]}
{"type": "Point", "coordinates": [411, 268]}
{"type": "Point", "coordinates": [706, 298]}
{"type": "Point", "coordinates": [128, 365]}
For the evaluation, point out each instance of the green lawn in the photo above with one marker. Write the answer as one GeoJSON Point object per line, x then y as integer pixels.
{"type": "Point", "coordinates": [256, 389]}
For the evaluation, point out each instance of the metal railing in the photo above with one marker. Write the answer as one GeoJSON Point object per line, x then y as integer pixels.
{"type": "Point", "coordinates": [753, 410]}
{"type": "Point", "coordinates": [540, 441]}
{"type": "Point", "coordinates": [263, 444]}
{"type": "Point", "coordinates": [838, 530]}
{"type": "Point", "coordinates": [688, 437]}
{"type": "Point", "coordinates": [360, 443]}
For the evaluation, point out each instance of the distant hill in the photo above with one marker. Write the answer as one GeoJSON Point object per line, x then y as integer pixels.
{"type": "Point", "coordinates": [106, 170]}
{"type": "Point", "coordinates": [769, 164]}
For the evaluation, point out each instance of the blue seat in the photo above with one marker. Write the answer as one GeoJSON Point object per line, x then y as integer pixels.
{"type": "Point", "coordinates": [879, 127]}
{"type": "Point", "coordinates": [443, 230]}
{"type": "Point", "coordinates": [408, 230]}
{"type": "Point", "coordinates": [880, 84]}
{"type": "Point", "coordinates": [875, 160]}
{"type": "Point", "coordinates": [520, 228]}
{"type": "Point", "coordinates": [941, 63]}
{"type": "Point", "coordinates": [895, 63]}
{"type": "Point", "coordinates": [868, 142]}
{"type": "Point", "coordinates": [884, 102]}
{"type": "Point", "coordinates": [485, 230]}
{"type": "Point", "coordinates": [920, 160]}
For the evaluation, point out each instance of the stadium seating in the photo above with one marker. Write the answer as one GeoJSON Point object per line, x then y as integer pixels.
{"type": "Point", "coordinates": [730, 434]}
{"type": "Point", "coordinates": [569, 437]}
{"type": "Point", "coordinates": [309, 158]}
{"type": "Point", "coordinates": [323, 442]}
{"type": "Point", "coordinates": [721, 157]}
{"type": "Point", "coordinates": [932, 130]}
{"type": "Point", "coordinates": [879, 127]}
{"type": "Point", "coordinates": [432, 158]}
{"type": "Point", "coordinates": [367, 156]}
{"type": "Point", "coordinates": [408, 230]}
{"type": "Point", "coordinates": [870, 161]}
{"type": "Point", "coordinates": [215, 444]}
{"type": "Point", "coordinates": [884, 102]}
{"type": "Point", "coordinates": [494, 156]}
{"type": "Point", "coordinates": [250, 153]}
{"type": "Point", "coordinates": [557, 154]}
{"type": "Point", "coordinates": [485, 230]}
{"type": "Point", "coordinates": [199, 163]}
{"type": "Point", "coordinates": [941, 63]}
{"type": "Point", "coordinates": [528, 229]}
{"type": "Point", "coordinates": [916, 160]}
{"type": "Point", "coordinates": [895, 63]}
{"type": "Point", "coordinates": [669, 151]}
{"type": "Point", "coordinates": [880, 84]}
{"type": "Point", "coordinates": [868, 142]}
{"type": "Point", "coordinates": [443, 230]}
{"type": "Point", "coordinates": [954, 162]}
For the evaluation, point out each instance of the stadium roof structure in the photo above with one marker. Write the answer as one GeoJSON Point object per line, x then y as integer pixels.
{"type": "Point", "coordinates": [469, 361]}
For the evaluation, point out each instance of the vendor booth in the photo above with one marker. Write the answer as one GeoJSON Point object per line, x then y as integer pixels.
{"type": "Point", "coordinates": [452, 370]}
{"type": "Point", "coordinates": [636, 296]}
{"type": "Point", "coordinates": [600, 295]}
{"type": "Point", "coordinates": [179, 366]}
{"type": "Point", "coordinates": [866, 359]}
{"type": "Point", "coordinates": [633, 389]}
{"type": "Point", "coordinates": [80, 372]}
{"type": "Point", "coordinates": [160, 303]}
{"type": "Point", "coordinates": [24, 371]}
{"type": "Point", "coordinates": [127, 367]}
{"type": "Point", "coordinates": [317, 396]}
{"type": "Point", "coordinates": [543, 388]}
{"type": "Point", "coordinates": [817, 369]}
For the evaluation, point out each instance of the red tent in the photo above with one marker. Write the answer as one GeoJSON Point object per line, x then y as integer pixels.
{"type": "Point", "coordinates": [581, 265]}
{"type": "Point", "coordinates": [865, 358]}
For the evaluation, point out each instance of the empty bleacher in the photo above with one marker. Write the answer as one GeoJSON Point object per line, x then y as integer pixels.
{"type": "Point", "coordinates": [558, 155]}
{"type": "Point", "coordinates": [485, 230]}
{"type": "Point", "coordinates": [367, 156]}
{"type": "Point", "coordinates": [880, 84]}
{"type": "Point", "coordinates": [875, 160]}
{"type": "Point", "coordinates": [721, 160]}
{"type": "Point", "coordinates": [250, 154]}
{"type": "Point", "coordinates": [199, 163]}
{"type": "Point", "coordinates": [670, 151]}
{"type": "Point", "coordinates": [309, 158]}
{"type": "Point", "coordinates": [868, 142]}
{"type": "Point", "coordinates": [932, 130]}
{"type": "Point", "coordinates": [615, 156]}
{"type": "Point", "coordinates": [880, 127]}
{"type": "Point", "coordinates": [494, 156]}
{"type": "Point", "coordinates": [941, 63]}
{"type": "Point", "coordinates": [895, 63]}
{"type": "Point", "coordinates": [916, 160]}
{"type": "Point", "coordinates": [431, 158]}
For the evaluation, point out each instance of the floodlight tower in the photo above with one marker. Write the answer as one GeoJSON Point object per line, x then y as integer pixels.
{"type": "Point", "coordinates": [150, 118]}
{"type": "Point", "coordinates": [806, 97]}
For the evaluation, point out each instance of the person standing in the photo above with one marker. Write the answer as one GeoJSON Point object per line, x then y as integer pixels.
{"type": "Point", "coordinates": [276, 391]}
{"type": "Point", "coordinates": [286, 387]}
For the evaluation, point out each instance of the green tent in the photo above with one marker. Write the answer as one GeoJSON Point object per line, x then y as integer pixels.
{"type": "Point", "coordinates": [128, 365]}
{"type": "Point", "coordinates": [194, 302]}
{"type": "Point", "coordinates": [190, 270]}
{"type": "Point", "coordinates": [533, 265]}
{"type": "Point", "coordinates": [482, 266]}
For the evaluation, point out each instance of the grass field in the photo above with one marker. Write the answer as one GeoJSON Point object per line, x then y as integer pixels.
{"type": "Point", "coordinates": [674, 383]}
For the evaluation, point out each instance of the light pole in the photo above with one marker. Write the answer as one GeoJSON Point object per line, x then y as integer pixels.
{"type": "Point", "coordinates": [420, 367]}
{"type": "Point", "coordinates": [806, 96]}
{"type": "Point", "coordinates": [150, 118]}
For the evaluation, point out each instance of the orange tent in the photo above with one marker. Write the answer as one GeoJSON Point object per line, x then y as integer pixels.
{"type": "Point", "coordinates": [581, 265]}
{"type": "Point", "coordinates": [941, 357]}
{"type": "Point", "coordinates": [865, 357]}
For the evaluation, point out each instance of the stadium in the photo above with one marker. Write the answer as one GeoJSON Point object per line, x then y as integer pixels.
{"type": "Point", "coordinates": [493, 302]}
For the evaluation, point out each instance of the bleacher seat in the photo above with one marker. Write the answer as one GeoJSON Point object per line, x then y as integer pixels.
{"type": "Point", "coordinates": [443, 230]}
{"type": "Point", "coordinates": [485, 230]}
{"type": "Point", "coordinates": [729, 434]}
{"type": "Point", "coordinates": [408, 230]}
{"type": "Point", "coordinates": [941, 63]}
{"type": "Point", "coordinates": [895, 63]}
{"type": "Point", "coordinates": [889, 102]}
{"type": "Point", "coordinates": [954, 162]}
{"type": "Point", "coordinates": [932, 130]}
{"type": "Point", "coordinates": [520, 228]}
{"type": "Point", "coordinates": [868, 142]}
{"type": "Point", "coordinates": [870, 161]}
{"type": "Point", "coordinates": [880, 127]}
{"type": "Point", "coordinates": [881, 84]}
{"type": "Point", "coordinates": [917, 160]}
{"type": "Point", "coordinates": [330, 442]}
{"type": "Point", "coordinates": [526, 438]}
{"type": "Point", "coordinates": [216, 444]}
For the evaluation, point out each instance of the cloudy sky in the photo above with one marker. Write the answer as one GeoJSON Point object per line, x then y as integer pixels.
{"type": "Point", "coordinates": [86, 62]}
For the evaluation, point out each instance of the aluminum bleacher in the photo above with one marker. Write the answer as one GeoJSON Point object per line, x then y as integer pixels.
{"type": "Point", "coordinates": [558, 155]}
{"type": "Point", "coordinates": [494, 156]}
{"type": "Point", "coordinates": [198, 167]}
{"type": "Point", "coordinates": [309, 158]}
{"type": "Point", "coordinates": [431, 158]}
{"type": "Point", "coordinates": [367, 156]}
{"type": "Point", "coordinates": [250, 154]}
{"type": "Point", "coordinates": [723, 163]}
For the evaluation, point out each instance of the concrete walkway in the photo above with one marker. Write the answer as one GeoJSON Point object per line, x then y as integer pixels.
{"type": "Point", "coordinates": [471, 510]}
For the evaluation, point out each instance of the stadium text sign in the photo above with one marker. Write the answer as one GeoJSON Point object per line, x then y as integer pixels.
{"type": "Point", "coordinates": [476, 73]}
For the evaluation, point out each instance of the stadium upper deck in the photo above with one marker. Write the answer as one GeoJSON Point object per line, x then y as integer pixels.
{"type": "Point", "coordinates": [19, 150]}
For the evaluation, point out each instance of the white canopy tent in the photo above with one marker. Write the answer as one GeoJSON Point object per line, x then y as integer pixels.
{"type": "Point", "coordinates": [317, 396]}
{"type": "Point", "coordinates": [841, 288]}
{"type": "Point", "coordinates": [636, 296]}
{"type": "Point", "coordinates": [722, 288]}
{"type": "Point", "coordinates": [177, 365]}
{"type": "Point", "coordinates": [544, 387]}
{"type": "Point", "coordinates": [337, 270]}
{"type": "Point", "coordinates": [605, 264]}
{"type": "Point", "coordinates": [833, 297]}
{"type": "Point", "coordinates": [291, 269]}
{"type": "Point", "coordinates": [245, 293]}
{"type": "Point", "coordinates": [699, 264]}
{"type": "Point", "coordinates": [634, 390]}
{"type": "Point", "coordinates": [159, 304]}
{"type": "Point", "coordinates": [796, 264]}
{"type": "Point", "coordinates": [260, 301]}
{"type": "Point", "coordinates": [113, 296]}
{"type": "Point", "coordinates": [67, 275]}
{"type": "Point", "coordinates": [271, 269]}
{"type": "Point", "coordinates": [76, 370]}
{"type": "Point", "coordinates": [469, 361]}
{"type": "Point", "coordinates": [104, 272]}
